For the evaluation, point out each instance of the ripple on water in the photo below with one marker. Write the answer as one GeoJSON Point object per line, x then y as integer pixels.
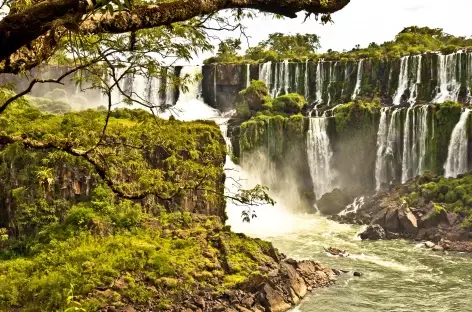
{"type": "Point", "coordinates": [398, 277]}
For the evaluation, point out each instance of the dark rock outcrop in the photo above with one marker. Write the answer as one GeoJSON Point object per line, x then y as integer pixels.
{"type": "Point", "coordinates": [334, 202]}
{"type": "Point", "coordinates": [373, 232]}
{"type": "Point", "coordinates": [282, 288]}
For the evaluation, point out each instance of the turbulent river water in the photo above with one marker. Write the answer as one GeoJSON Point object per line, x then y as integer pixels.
{"type": "Point", "coordinates": [398, 276]}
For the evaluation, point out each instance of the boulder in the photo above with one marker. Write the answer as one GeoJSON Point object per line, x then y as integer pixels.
{"type": "Point", "coordinates": [391, 221]}
{"type": "Point", "coordinates": [379, 217]}
{"type": "Point", "coordinates": [334, 202]}
{"type": "Point", "coordinates": [429, 244]}
{"type": "Point", "coordinates": [272, 300]}
{"type": "Point", "coordinates": [373, 232]}
{"type": "Point", "coordinates": [431, 218]}
{"type": "Point", "coordinates": [437, 248]}
{"type": "Point", "coordinates": [408, 221]}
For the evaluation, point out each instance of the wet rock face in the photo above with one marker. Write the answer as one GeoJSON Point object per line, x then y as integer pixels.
{"type": "Point", "coordinates": [279, 291]}
{"type": "Point", "coordinates": [373, 232]}
{"type": "Point", "coordinates": [334, 202]}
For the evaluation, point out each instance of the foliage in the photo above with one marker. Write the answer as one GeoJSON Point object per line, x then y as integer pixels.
{"type": "Point", "coordinates": [254, 96]}
{"type": "Point", "coordinates": [289, 103]}
{"type": "Point", "coordinates": [447, 194]}
{"type": "Point", "coordinates": [146, 264]}
{"type": "Point", "coordinates": [139, 154]}
{"type": "Point", "coordinates": [410, 41]}
{"type": "Point", "coordinates": [355, 115]}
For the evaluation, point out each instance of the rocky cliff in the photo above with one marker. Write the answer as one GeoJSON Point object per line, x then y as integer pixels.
{"type": "Point", "coordinates": [426, 78]}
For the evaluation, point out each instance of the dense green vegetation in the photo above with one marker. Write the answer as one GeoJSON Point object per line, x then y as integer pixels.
{"type": "Point", "coordinates": [155, 263]}
{"type": "Point", "coordinates": [448, 194]}
{"type": "Point", "coordinates": [255, 100]}
{"type": "Point", "coordinates": [411, 40]}
{"type": "Point", "coordinates": [90, 220]}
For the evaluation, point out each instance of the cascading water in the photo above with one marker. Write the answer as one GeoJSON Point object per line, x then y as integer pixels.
{"type": "Point", "coordinates": [319, 157]}
{"type": "Point", "coordinates": [403, 81]}
{"type": "Point", "coordinates": [415, 138]}
{"type": "Point", "coordinates": [265, 74]}
{"type": "Point", "coordinates": [248, 75]}
{"type": "Point", "coordinates": [319, 81]}
{"type": "Point", "coordinates": [448, 86]}
{"type": "Point", "coordinates": [306, 89]}
{"type": "Point", "coordinates": [169, 89]}
{"type": "Point", "coordinates": [296, 78]}
{"type": "Point", "coordinates": [457, 162]}
{"type": "Point", "coordinates": [382, 134]}
{"type": "Point", "coordinates": [414, 86]}
{"type": "Point", "coordinates": [360, 71]}
{"type": "Point", "coordinates": [286, 76]}
{"type": "Point", "coordinates": [189, 106]}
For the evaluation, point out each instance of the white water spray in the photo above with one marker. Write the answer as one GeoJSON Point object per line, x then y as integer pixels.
{"type": "Point", "coordinates": [319, 157]}
{"type": "Point", "coordinates": [360, 71]}
{"type": "Point", "coordinates": [457, 158]}
{"type": "Point", "coordinates": [402, 81]}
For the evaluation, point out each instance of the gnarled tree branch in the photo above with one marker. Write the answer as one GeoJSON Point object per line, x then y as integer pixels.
{"type": "Point", "coordinates": [19, 29]}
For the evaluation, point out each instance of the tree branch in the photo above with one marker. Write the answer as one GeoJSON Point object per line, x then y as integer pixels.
{"type": "Point", "coordinates": [19, 29]}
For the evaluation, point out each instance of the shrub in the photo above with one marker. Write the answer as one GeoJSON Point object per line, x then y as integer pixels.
{"type": "Point", "coordinates": [291, 103]}
{"type": "Point", "coordinates": [255, 96]}
{"type": "Point", "coordinates": [242, 111]}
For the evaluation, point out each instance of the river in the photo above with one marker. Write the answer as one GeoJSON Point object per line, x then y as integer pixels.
{"type": "Point", "coordinates": [398, 275]}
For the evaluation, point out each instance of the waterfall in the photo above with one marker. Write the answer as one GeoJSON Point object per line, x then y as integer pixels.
{"type": "Point", "coordinates": [152, 91]}
{"type": "Point", "coordinates": [407, 147]}
{"type": "Point", "coordinates": [265, 74]}
{"type": "Point", "coordinates": [469, 77]}
{"type": "Point", "coordinates": [331, 76]}
{"type": "Point", "coordinates": [169, 88]}
{"type": "Point", "coordinates": [306, 90]}
{"type": "Point", "coordinates": [422, 138]}
{"type": "Point", "coordinates": [248, 75]}
{"type": "Point", "coordinates": [414, 86]}
{"type": "Point", "coordinates": [286, 76]}
{"type": "Point", "coordinates": [448, 86]}
{"type": "Point", "coordinates": [189, 105]}
{"type": "Point", "coordinates": [319, 157]}
{"type": "Point", "coordinates": [319, 82]}
{"type": "Point", "coordinates": [297, 75]}
{"type": "Point", "coordinates": [380, 170]}
{"type": "Point", "coordinates": [415, 140]}
{"type": "Point", "coordinates": [402, 81]}
{"type": "Point", "coordinates": [360, 72]}
{"type": "Point", "coordinates": [388, 146]}
{"type": "Point", "coordinates": [457, 156]}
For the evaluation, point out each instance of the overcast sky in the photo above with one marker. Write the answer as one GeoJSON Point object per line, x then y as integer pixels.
{"type": "Point", "coordinates": [365, 21]}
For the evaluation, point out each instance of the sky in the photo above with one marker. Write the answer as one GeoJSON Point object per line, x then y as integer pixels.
{"type": "Point", "coordinates": [365, 21]}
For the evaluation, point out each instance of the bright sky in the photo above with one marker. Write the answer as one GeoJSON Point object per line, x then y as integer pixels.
{"type": "Point", "coordinates": [365, 21]}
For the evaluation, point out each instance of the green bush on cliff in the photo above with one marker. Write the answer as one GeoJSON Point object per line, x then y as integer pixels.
{"type": "Point", "coordinates": [154, 262]}
{"type": "Point", "coordinates": [356, 115]}
{"type": "Point", "coordinates": [254, 96]}
{"type": "Point", "coordinates": [291, 103]}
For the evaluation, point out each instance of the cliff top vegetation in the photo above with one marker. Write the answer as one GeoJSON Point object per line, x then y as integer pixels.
{"type": "Point", "coordinates": [410, 41]}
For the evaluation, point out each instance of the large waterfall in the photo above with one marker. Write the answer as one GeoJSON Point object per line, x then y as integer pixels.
{"type": "Point", "coordinates": [360, 71]}
{"type": "Point", "coordinates": [448, 86]}
{"type": "Point", "coordinates": [319, 157]}
{"type": "Point", "coordinates": [457, 158]}
{"type": "Point", "coordinates": [416, 133]}
{"type": "Point", "coordinates": [403, 81]}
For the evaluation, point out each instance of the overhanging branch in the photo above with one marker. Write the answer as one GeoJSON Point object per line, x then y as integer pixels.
{"type": "Point", "coordinates": [20, 29]}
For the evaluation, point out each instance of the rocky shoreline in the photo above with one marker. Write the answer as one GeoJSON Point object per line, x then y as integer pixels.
{"type": "Point", "coordinates": [279, 290]}
{"type": "Point", "coordinates": [411, 211]}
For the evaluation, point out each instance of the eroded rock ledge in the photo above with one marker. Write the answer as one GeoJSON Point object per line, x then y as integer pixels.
{"type": "Point", "coordinates": [282, 288]}
{"type": "Point", "coordinates": [428, 208]}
